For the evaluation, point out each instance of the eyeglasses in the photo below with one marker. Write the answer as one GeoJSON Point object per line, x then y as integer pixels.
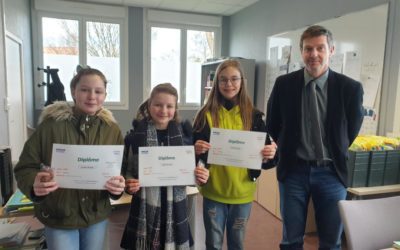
{"type": "Point", "coordinates": [234, 81]}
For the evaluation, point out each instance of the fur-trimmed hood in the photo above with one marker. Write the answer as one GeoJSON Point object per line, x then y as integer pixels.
{"type": "Point", "coordinates": [63, 111]}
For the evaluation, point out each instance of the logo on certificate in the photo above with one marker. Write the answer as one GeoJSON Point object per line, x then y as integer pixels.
{"type": "Point", "coordinates": [60, 150]}
{"type": "Point", "coordinates": [216, 132]}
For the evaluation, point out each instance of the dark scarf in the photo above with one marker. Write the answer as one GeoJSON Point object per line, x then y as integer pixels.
{"type": "Point", "coordinates": [142, 230]}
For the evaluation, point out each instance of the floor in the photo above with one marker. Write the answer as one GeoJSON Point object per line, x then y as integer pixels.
{"type": "Point", "coordinates": [264, 231]}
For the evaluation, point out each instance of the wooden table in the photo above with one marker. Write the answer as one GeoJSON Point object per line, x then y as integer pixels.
{"type": "Point", "coordinates": [360, 192]}
{"type": "Point", "coordinates": [191, 190]}
{"type": "Point", "coordinates": [125, 199]}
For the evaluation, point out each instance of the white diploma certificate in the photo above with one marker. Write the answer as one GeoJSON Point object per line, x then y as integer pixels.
{"type": "Point", "coordinates": [236, 148]}
{"type": "Point", "coordinates": [85, 166]}
{"type": "Point", "coordinates": [166, 166]}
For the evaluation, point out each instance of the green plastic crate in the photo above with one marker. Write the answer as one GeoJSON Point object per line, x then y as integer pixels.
{"type": "Point", "coordinates": [357, 166]}
{"type": "Point", "coordinates": [392, 167]}
{"type": "Point", "coordinates": [376, 168]}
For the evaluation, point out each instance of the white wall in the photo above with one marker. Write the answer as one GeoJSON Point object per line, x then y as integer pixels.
{"type": "Point", "coordinates": [359, 39]}
{"type": "Point", "coordinates": [18, 22]}
{"type": "Point", "coordinates": [250, 28]}
{"type": "Point", "coordinates": [396, 127]}
{"type": "Point", "coordinates": [3, 114]}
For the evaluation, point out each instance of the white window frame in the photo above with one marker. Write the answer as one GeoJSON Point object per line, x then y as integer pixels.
{"type": "Point", "coordinates": [83, 13]}
{"type": "Point", "coordinates": [183, 22]}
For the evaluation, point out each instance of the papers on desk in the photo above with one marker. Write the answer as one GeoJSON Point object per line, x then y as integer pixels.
{"type": "Point", "coordinates": [13, 235]}
{"type": "Point", "coordinates": [396, 244]}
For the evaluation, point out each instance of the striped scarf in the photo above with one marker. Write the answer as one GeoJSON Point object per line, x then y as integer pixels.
{"type": "Point", "coordinates": [143, 228]}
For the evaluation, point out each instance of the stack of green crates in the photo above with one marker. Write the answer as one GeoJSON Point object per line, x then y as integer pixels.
{"type": "Point", "coordinates": [392, 165]}
{"type": "Point", "coordinates": [373, 168]}
{"type": "Point", "coordinates": [357, 165]}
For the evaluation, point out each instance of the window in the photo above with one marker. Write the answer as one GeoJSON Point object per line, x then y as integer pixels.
{"type": "Point", "coordinates": [61, 48]}
{"type": "Point", "coordinates": [165, 56]}
{"type": "Point", "coordinates": [176, 52]}
{"type": "Point", "coordinates": [74, 37]}
{"type": "Point", "coordinates": [200, 47]}
{"type": "Point", "coordinates": [103, 53]}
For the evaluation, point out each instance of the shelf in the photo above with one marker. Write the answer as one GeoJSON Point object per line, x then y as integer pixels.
{"type": "Point", "coordinates": [362, 191]}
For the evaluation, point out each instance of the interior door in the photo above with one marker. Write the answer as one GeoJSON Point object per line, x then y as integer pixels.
{"type": "Point", "coordinates": [15, 96]}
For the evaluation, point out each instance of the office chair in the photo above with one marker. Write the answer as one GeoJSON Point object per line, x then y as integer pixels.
{"type": "Point", "coordinates": [371, 224]}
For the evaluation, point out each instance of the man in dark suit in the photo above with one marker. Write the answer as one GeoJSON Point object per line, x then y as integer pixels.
{"type": "Point", "coordinates": [313, 114]}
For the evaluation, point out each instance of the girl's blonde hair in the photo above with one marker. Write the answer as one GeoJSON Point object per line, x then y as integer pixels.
{"type": "Point", "coordinates": [215, 100]}
{"type": "Point", "coordinates": [167, 88]}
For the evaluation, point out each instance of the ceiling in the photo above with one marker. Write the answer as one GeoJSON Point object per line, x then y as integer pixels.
{"type": "Point", "coordinates": [217, 7]}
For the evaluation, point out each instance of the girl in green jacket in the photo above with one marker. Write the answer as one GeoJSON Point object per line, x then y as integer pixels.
{"type": "Point", "coordinates": [73, 218]}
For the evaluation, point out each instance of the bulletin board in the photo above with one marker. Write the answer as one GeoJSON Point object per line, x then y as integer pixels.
{"type": "Point", "coordinates": [359, 40]}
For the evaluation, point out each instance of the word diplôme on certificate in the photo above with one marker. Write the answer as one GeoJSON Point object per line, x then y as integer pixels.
{"type": "Point", "coordinates": [166, 166]}
{"type": "Point", "coordinates": [236, 148]}
{"type": "Point", "coordinates": [85, 166]}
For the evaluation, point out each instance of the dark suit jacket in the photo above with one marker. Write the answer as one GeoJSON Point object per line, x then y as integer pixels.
{"type": "Point", "coordinates": [344, 118]}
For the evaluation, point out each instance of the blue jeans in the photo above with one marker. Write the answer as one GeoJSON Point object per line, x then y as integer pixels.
{"type": "Point", "coordinates": [89, 238]}
{"type": "Point", "coordinates": [325, 188]}
{"type": "Point", "coordinates": [217, 215]}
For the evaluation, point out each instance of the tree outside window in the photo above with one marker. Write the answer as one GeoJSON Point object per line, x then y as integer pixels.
{"type": "Point", "coordinates": [61, 39]}
{"type": "Point", "coordinates": [167, 64]}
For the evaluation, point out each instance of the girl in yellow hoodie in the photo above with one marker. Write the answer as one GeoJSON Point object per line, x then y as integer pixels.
{"type": "Point", "coordinates": [228, 194]}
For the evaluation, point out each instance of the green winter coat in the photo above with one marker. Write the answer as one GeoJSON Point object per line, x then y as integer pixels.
{"type": "Point", "coordinates": [60, 123]}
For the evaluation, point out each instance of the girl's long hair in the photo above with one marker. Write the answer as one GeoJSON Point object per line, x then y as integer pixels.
{"type": "Point", "coordinates": [215, 100]}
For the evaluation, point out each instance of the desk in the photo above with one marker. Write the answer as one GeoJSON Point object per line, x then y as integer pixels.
{"type": "Point", "coordinates": [191, 191]}
{"type": "Point", "coordinates": [125, 199]}
{"type": "Point", "coordinates": [360, 192]}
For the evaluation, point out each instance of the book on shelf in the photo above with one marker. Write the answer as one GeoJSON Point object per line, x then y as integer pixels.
{"type": "Point", "coordinates": [209, 85]}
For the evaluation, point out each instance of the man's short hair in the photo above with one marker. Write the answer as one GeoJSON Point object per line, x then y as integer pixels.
{"type": "Point", "coordinates": [314, 31]}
